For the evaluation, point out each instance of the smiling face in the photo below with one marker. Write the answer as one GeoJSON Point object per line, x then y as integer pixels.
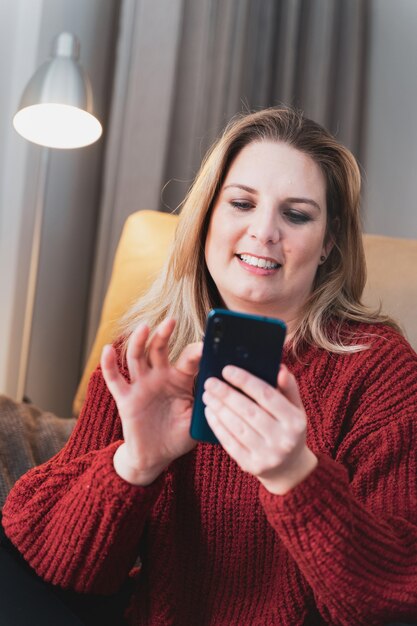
{"type": "Point", "coordinates": [267, 231]}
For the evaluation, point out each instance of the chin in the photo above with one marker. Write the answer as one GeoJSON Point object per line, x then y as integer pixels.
{"type": "Point", "coordinates": [254, 305]}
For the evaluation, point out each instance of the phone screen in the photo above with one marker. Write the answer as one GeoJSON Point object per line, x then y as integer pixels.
{"type": "Point", "coordinates": [251, 342]}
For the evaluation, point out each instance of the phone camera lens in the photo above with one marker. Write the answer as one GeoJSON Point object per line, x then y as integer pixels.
{"type": "Point", "coordinates": [218, 329]}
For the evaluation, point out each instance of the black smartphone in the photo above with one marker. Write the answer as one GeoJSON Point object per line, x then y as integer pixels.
{"type": "Point", "coordinates": [252, 342]}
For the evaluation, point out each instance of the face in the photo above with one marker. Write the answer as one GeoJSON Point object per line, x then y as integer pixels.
{"type": "Point", "coordinates": [267, 231]}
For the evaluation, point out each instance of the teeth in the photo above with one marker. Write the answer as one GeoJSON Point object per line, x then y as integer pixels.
{"type": "Point", "coordinates": [256, 262]}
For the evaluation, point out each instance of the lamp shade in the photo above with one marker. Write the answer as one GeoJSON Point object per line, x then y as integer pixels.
{"type": "Point", "coordinates": [56, 108]}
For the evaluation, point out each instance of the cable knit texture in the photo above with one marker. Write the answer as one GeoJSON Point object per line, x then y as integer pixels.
{"type": "Point", "coordinates": [218, 549]}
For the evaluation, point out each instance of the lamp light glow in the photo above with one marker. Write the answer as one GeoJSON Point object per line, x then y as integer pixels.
{"type": "Point", "coordinates": [57, 125]}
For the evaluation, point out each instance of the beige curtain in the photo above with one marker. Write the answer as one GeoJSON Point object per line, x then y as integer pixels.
{"type": "Point", "coordinates": [184, 67]}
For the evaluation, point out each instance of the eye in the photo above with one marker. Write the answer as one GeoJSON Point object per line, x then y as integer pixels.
{"type": "Point", "coordinates": [242, 205]}
{"type": "Point", "coordinates": [297, 217]}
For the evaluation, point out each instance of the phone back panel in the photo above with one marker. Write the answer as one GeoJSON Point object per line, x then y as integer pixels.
{"type": "Point", "coordinates": [251, 342]}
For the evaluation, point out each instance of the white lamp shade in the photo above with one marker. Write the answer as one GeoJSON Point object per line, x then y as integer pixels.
{"type": "Point", "coordinates": [56, 109]}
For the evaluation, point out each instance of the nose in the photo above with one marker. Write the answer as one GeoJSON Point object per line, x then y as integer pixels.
{"type": "Point", "coordinates": [264, 226]}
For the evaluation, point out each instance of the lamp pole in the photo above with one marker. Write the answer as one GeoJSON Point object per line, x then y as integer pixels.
{"type": "Point", "coordinates": [33, 272]}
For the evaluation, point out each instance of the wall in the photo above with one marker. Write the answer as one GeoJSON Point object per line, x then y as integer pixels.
{"type": "Point", "coordinates": [390, 142]}
{"type": "Point", "coordinates": [73, 190]}
{"type": "Point", "coordinates": [20, 24]}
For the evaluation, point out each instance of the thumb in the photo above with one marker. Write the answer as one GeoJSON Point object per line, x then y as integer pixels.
{"type": "Point", "coordinates": [189, 359]}
{"type": "Point", "coordinates": [288, 386]}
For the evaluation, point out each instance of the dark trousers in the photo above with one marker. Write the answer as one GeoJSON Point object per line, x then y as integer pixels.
{"type": "Point", "coordinates": [26, 600]}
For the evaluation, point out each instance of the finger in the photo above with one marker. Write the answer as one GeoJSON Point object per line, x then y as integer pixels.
{"type": "Point", "coordinates": [233, 420]}
{"type": "Point", "coordinates": [287, 384]}
{"type": "Point", "coordinates": [114, 380]}
{"type": "Point", "coordinates": [135, 353]}
{"type": "Point", "coordinates": [227, 439]}
{"type": "Point", "coordinates": [190, 358]}
{"type": "Point", "coordinates": [252, 456]}
{"type": "Point", "coordinates": [269, 398]}
{"type": "Point", "coordinates": [218, 394]}
{"type": "Point", "coordinates": [158, 346]}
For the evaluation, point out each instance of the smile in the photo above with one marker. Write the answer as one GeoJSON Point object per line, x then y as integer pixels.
{"type": "Point", "coordinates": [255, 261]}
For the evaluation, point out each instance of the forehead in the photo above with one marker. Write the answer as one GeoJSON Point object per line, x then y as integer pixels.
{"type": "Point", "coordinates": [277, 164]}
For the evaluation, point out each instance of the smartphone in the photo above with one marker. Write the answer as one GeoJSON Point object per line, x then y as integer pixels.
{"type": "Point", "coordinates": [252, 342]}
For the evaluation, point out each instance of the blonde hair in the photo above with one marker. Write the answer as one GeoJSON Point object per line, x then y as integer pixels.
{"type": "Point", "coordinates": [185, 290]}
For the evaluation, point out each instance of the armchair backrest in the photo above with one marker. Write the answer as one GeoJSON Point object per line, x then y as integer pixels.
{"type": "Point", "coordinates": [392, 280]}
{"type": "Point", "coordinates": [147, 236]}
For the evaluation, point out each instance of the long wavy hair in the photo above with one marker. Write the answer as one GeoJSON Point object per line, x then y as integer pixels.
{"type": "Point", "coordinates": [185, 290]}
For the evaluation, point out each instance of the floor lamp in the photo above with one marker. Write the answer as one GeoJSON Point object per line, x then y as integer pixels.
{"type": "Point", "coordinates": [55, 111]}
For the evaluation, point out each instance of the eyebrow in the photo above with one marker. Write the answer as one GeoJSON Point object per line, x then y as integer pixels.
{"type": "Point", "coordinates": [239, 186]}
{"type": "Point", "coordinates": [293, 200]}
{"type": "Point", "coordinates": [305, 201]}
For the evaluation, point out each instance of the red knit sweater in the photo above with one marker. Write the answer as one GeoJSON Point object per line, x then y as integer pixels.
{"type": "Point", "coordinates": [216, 548]}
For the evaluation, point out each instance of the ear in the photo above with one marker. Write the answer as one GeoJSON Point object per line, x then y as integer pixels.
{"type": "Point", "coordinates": [329, 239]}
{"type": "Point", "coordinates": [327, 247]}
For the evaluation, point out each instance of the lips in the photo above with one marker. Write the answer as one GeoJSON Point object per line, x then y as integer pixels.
{"type": "Point", "coordinates": [260, 262]}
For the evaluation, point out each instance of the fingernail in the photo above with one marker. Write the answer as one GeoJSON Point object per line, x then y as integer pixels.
{"type": "Point", "coordinates": [209, 414]}
{"type": "Point", "coordinates": [230, 371]}
{"type": "Point", "coordinates": [211, 384]}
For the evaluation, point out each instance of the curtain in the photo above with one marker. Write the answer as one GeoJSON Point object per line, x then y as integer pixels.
{"type": "Point", "coordinates": [246, 54]}
{"type": "Point", "coordinates": [184, 67]}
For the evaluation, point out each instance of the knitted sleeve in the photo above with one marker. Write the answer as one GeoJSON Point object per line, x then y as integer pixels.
{"type": "Point", "coordinates": [351, 526]}
{"type": "Point", "coordinates": [75, 521]}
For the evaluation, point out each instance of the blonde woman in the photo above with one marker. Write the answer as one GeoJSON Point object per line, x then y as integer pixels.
{"type": "Point", "coordinates": [306, 513]}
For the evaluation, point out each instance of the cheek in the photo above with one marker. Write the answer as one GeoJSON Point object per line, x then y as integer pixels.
{"type": "Point", "coordinates": [209, 236]}
{"type": "Point", "coordinates": [305, 253]}
{"type": "Point", "coordinates": [221, 237]}
{"type": "Point", "coordinates": [210, 243]}
{"type": "Point", "coordinates": [212, 247]}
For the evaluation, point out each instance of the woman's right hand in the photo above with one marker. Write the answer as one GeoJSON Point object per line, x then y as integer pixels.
{"type": "Point", "coordinates": [155, 406]}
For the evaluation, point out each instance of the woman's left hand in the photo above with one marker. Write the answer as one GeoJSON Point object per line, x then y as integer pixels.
{"type": "Point", "coordinates": [264, 431]}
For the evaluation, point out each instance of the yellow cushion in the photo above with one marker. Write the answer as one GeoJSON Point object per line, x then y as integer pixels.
{"type": "Point", "coordinates": [392, 280]}
{"type": "Point", "coordinates": [141, 251]}
{"type": "Point", "coordinates": [147, 235]}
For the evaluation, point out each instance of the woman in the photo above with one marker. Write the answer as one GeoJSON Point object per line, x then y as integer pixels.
{"type": "Point", "coordinates": [306, 513]}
